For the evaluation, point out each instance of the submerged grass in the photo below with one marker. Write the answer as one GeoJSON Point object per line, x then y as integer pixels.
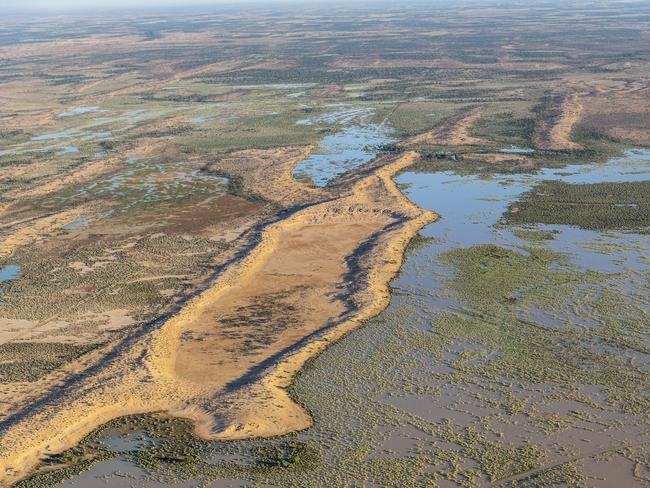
{"type": "Point", "coordinates": [418, 397]}
{"type": "Point", "coordinates": [591, 206]}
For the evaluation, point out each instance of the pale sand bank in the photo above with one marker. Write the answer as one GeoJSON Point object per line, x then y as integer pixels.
{"type": "Point", "coordinates": [265, 315]}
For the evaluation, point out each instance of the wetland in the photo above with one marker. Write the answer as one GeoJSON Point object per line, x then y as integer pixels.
{"type": "Point", "coordinates": [510, 348]}
{"type": "Point", "coordinates": [361, 245]}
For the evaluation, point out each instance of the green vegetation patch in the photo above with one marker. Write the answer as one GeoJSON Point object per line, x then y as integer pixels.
{"type": "Point", "coordinates": [505, 128]}
{"type": "Point", "coordinates": [490, 274]}
{"type": "Point", "coordinates": [598, 206]}
{"type": "Point", "coordinates": [532, 309]}
{"type": "Point", "coordinates": [534, 235]}
{"type": "Point", "coordinates": [488, 356]}
{"type": "Point", "coordinates": [99, 278]}
{"type": "Point", "coordinates": [28, 361]}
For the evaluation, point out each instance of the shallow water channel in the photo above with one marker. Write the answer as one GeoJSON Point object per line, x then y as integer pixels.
{"type": "Point", "coordinates": [354, 142]}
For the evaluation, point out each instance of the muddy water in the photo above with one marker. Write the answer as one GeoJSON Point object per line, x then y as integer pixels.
{"type": "Point", "coordinates": [354, 144]}
{"type": "Point", "coordinates": [472, 207]}
{"type": "Point", "coordinates": [409, 399]}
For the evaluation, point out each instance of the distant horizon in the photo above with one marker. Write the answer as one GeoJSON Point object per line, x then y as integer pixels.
{"type": "Point", "coordinates": [51, 6]}
{"type": "Point", "coordinates": [108, 5]}
{"type": "Point", "coordinates": [64, 6]}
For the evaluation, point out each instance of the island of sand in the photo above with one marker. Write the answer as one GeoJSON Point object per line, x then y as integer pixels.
{"type": "Point", "coordinates": [316, 273]}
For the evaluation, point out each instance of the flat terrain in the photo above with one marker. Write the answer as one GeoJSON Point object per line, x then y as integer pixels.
{"type": "Point", "coordinates": [199, 208]}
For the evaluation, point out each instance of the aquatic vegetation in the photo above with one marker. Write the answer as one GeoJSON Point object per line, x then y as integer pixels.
{"type": "Point", "coordinates": [534, 235]}
{"type": "Point", "coordinates": [531, 352]}
{"type": "Point", "coordinates": [489, 274]}
{"type": "Point", "coordinates": [463, 380]}
{"type": "Point", "coordinates": [591, 206]}
{"type": "Point", "coordinates": [142, 184]}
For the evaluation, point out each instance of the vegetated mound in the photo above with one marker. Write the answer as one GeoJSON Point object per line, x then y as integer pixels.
{"type": "Point", "coordinates": [601, 206]}
{"type": "Point", "coordinates": [455, 131]}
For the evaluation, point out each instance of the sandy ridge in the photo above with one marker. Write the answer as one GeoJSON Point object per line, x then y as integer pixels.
{"type": "Point", "coordinates": [266, 409]}
{"type": "Point", "coordinates": [554, 130]}
{"type": "Point", "coordinates": [142, 376]}
{"type": "Point", "coordinates": [454, 132]}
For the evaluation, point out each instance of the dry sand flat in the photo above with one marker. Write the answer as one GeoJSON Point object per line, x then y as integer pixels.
{"type": "Point", "coordinates": [32, 231]}
{"type": "Point", "coordinates": [265, 316]}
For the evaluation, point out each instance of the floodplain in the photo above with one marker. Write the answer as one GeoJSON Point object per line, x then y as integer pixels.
{"type": "Point", "coordinates": [366, 246]}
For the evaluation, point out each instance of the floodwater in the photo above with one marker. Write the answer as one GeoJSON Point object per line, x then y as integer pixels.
{"type": "Point", "coordinates": [472, 206]}
{"type": "Point", "coordinates": [65, 139]}
{"type": "Point", "coordinates": [341, 152]}
{"type": "Point", "coordinates": [130, 442]}
{"type": "Point", "coordinates": [78, 223]}
{"type": "Point", "coordinates": [8, 273]}
{"type": "Point", "coordinates": [143, 182]}
{"type": "Point", "coordinates": [385, 395]}
{"type": "Point", "coordinates": [344, 115]}
{"type": "Point", "coordinates": [516, 150]}
{"type": "Point", "coordinates": [276, 86]}
{"type": "Point", "coordinates": [104, 124]}
{"type": "Point", "coordinates": [69, 150]}
{"type": "Point", "coordinates": [79, 111]}
{"type": "Point", "coordinates": [201, 120]}
{"type": "Point", "coordinates": [354, 144]}
{"type": "Point", "coordinates": [56, 135]}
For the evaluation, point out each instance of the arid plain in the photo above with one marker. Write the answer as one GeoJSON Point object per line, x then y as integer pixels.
{"type": "Point", "coordinates": [365, 245]}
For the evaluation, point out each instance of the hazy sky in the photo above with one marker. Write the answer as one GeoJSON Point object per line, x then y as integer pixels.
{"type": "Point", "coordinates": [118, 4]}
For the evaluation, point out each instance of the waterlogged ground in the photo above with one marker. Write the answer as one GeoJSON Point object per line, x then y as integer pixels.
{"type": "Point", "coordinates": [140, 184]}
{"type": "Point", "coordinates": [472, 209]}
{"type": "Point", "coordinates": [355, 142]}
{"type": "Point", "coordinates": [510, 355]}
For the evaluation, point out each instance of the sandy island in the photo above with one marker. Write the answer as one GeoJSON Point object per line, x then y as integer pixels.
{"type": "Point", "coordinates": [225, 359]}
